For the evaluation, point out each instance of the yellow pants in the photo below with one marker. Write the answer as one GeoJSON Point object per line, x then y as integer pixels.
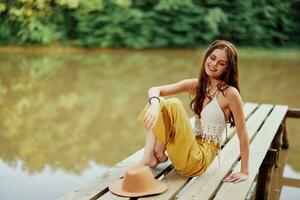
{"type": "Point", "coordinates": [190, 155]}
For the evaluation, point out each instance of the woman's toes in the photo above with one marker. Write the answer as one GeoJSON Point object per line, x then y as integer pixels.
{"type": "Point", "coordinates": [162, 157]}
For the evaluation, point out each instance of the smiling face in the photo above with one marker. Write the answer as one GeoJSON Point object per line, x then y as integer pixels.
{"type": "Point", "coordinates": [216, 63]}
{"type": "Point", "coordinates": [220, 63]}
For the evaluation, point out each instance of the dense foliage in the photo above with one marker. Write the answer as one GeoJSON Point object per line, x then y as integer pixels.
{"type": "Point", "coordinates": [149, 23]}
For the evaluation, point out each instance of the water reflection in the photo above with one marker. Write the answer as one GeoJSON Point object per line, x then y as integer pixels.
{"type": "Point", "coordinates": [65, 108]}
{"type": "Point", "coordinates": [285, 181]}
{"type": "Point", "coordinates": [49, 184]}
{"type": "Point", "coordinates": [291, 184]}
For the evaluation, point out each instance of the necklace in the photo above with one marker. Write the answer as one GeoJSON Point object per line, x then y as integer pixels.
{"type": "Point", "coordinates": [211, 92]}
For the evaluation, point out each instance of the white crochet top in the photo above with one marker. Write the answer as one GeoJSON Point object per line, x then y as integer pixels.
{"type": "Point", "coordinates": [212, 123]}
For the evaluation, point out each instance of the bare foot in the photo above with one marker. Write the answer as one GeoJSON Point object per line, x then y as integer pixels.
{"type": "Point", "coordinates": [161, 157]}
{"type": "Point", "coordinates": [150, 162]}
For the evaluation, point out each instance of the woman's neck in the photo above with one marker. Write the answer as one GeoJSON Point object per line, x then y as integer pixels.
{"type": "Point", "coordinates": [213, 82]}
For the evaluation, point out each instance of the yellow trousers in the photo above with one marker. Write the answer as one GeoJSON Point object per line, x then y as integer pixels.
{"type": "Point", "coordinates": [189, 154]}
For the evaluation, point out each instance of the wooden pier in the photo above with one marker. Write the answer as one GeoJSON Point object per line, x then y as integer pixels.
{"type": "Point", "coordinates": [266, 125]}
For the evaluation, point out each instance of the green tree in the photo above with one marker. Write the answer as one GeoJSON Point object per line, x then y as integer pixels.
{"type": "Point", "coordinates": [149, 23]}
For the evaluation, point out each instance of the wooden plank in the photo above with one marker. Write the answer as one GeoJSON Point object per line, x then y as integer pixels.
{"type": "Point", "coordinates": [249, 108]}
{"type": "Point", "coordinates": [99, 185]}
{"type": "Point", "coordinates": [204, 186]}
{"type": "Point", "coordinates": [293, 113]}
{"type": "Point", "coordinates": [291, 182]}
{"type": "Point", "coordinates": [276, 185]}
{"type": "Point", "coordinates": [176, 182]}
{"type": "Point", "coordinates": [285, 137]}
{"type": "Point", "coordinates": [258, 150]}
{"type": "Point", "coordinates": [181, 181]}
{"type": "Point", "coordinates": [263, 179]}
{"type": "Point", "coordinates": [156, 172]}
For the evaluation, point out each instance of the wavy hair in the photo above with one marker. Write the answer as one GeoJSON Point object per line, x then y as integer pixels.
{"type": "Point", "coordinates": [228, 78]}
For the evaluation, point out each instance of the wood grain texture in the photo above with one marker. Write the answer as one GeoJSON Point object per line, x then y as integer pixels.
{"type": "Point", "coordinates": [178, 181]}
{"type": "Point", "coordinates": [258, 150]}
{"type": "Point", "coordinates": [97, 189]}
{"type": "Point", "coordinates": [206, 185]}
{"type": "Point", "coordinates": [293, 113]}
{"type": "Point", "coordinates": [174, 182]}
{"type": "Point", "coordinates": [100, 184]}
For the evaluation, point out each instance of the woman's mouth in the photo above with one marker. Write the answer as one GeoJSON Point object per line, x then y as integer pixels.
{"type": "Point", "coordinates": [212, 69]}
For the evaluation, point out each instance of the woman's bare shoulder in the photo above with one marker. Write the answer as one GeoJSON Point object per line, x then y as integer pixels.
{"type": "Point", "coordinates": [231, 91]}
{"type": "Point", "coordinates": [233, 96]}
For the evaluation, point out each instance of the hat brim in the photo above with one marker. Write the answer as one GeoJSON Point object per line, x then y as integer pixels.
{"type": "Point", "coordinates": [116, 188]}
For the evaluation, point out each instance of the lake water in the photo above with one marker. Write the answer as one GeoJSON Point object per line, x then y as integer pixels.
{"type": "Point", "coordinates": [69, 114]}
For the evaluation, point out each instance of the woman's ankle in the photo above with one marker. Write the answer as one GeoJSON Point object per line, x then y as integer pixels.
{"type": "Point", "coordinates": [149, 161]}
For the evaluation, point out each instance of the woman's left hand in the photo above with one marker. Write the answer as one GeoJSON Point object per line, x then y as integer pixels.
{"type": "Point", "coordinates": [236, 177]}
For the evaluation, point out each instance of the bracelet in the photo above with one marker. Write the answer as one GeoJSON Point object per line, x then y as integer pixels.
{"type": "Point", "coordinates": [154, 97]}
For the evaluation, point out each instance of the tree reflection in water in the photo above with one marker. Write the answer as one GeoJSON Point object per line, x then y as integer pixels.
{"type": "Point", "coordinates": [63, 110]}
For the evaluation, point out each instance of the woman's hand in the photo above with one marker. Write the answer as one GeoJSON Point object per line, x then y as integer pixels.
{"type": "Point", "coordinates": [236, 177]}
{"type": "Point", "coordinates": [151, 116]}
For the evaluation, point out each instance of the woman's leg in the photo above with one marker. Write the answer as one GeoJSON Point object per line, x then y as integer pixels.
{"type": "Point", "coordinates": [149, 158]}
{"type": "Point", "coordinates": [174, 130]}
{"type": "Point", "coordinates": [159, 152]}
{"type": "Point", "coordinates": [154, 151]}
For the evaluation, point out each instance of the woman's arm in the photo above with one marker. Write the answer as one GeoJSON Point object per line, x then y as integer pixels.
{"type": "Point", "coordinates": [187, 85]}
{"type": "Point", "coordinates": [236, 107]}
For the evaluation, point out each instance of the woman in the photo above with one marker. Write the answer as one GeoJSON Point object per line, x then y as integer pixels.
{"type": "Point", "coordinates": [216, 102]}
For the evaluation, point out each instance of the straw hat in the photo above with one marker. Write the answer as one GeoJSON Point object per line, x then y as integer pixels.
{"type": "Point", "coordinates": [138, 181]}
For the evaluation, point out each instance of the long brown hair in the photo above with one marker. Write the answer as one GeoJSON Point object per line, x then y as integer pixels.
{"type": "Point", "coordinates": [228, 78]}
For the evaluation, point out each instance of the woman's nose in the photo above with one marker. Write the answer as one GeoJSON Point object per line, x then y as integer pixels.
{"type": "Point", "coordinates": [215, 63]}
